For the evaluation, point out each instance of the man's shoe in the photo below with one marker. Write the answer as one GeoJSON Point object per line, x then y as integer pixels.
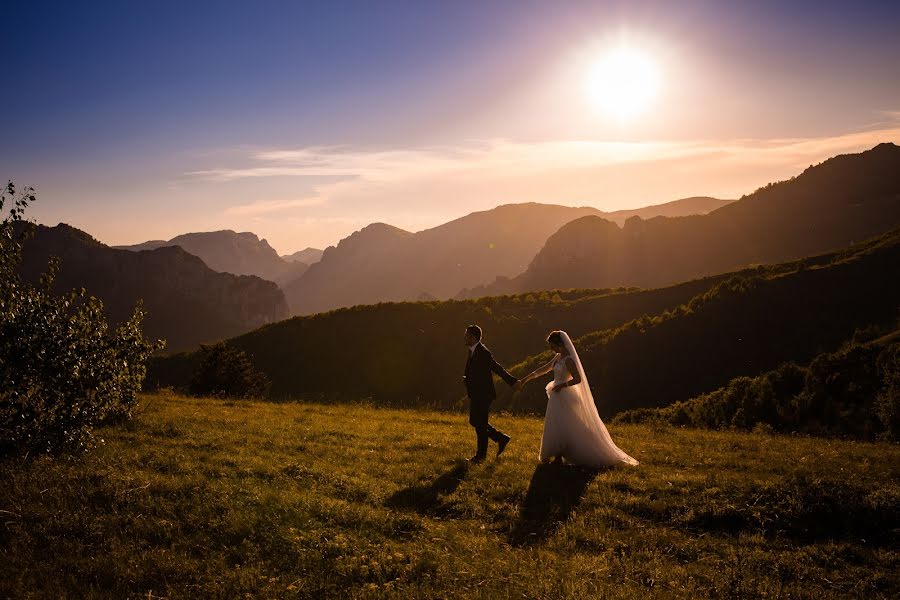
{"type": "Point", "coordinates": [478, 458]}
{"type": "Point", "coordinates": [501, 445]}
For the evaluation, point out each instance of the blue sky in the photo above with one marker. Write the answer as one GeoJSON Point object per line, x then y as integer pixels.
{"type": "Point", "coordinates": [304, 121]}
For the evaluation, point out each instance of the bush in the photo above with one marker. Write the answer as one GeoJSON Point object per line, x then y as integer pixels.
{"type": "Point", "coordinates": [887, 401]}
{"type": "Point", "coordinates": [61, 373]}
{"type": "Point", "coordinates": [228, 373]}
{"type": "Point", "coordinates": [854, 392]}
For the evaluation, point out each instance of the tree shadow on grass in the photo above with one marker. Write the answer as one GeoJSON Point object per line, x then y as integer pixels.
{"type": "Point", "coordinates": [554, 492]}
{"type": "Point", "coordinates": [427, 498]}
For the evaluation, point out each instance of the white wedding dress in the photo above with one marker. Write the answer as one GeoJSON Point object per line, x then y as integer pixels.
{"type": "Point", "coordinates": [572, 427]}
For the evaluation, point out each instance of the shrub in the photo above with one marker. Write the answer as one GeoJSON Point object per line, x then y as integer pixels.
{"type": "Point", "coordinates": [227, 372]}
{"type": "Point", "coordinates": [887, 401]}
{"type": "Point", "coordinates": [61, 372]}
{"type": "Point", "coordinates": [853, 392]}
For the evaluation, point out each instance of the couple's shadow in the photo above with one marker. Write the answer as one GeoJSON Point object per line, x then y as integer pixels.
{"type": "Point", "coordinates": [553, 493]}
{"type": "Point", "coordinates": [428, 498]}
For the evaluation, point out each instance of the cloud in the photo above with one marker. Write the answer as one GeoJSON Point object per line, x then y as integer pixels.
{"type": "Point", "coordinates": [496, 155]}
{"type": "Point", "coordinates": [512, 157]}
{"type": "Point", "coordinates": [261, 207]}
{"type": "Point", "coordinates": [440, 180]}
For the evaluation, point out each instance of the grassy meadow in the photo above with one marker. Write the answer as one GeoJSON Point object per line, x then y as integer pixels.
{"type": "Point", "coordinates": [215, 498]}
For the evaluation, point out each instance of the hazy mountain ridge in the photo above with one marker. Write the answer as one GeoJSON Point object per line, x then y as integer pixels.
{"type": "Point", "coordinates": [186, 302]}
{"type": "Point", "coordinates": [389, 264]}
{"type": "Point", "coordinates": [228, 251]}
{"type": "Point", "coordinates": [695, 205]}
{"type": "Point", "coordinates": [844, 199]}
{"type": "Point", "coordinates": [307, 256]}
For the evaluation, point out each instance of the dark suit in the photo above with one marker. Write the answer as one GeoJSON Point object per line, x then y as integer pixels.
{"type": "Point", "coordinates": [480, 387]}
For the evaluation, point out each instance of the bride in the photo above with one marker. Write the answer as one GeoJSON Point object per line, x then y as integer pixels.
{"type": "Point", "coordinates": [572, 428]}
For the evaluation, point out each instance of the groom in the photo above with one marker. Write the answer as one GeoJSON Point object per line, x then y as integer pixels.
{"type": "Point", "coordinates": [480, 388]}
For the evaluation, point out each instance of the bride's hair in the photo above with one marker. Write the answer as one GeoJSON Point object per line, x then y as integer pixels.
{"type": "Point", "coordinates": [555, 338]}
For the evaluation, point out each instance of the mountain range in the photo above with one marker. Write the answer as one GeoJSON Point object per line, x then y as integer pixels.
{"type": "Point", "coordinates": [845, 199]}
{"type": "Point", "coordinates": [186, 302]}
{"type": "Point", "coordinates": [204, 287]}
{"type": "Point", "coordinates": [642, 348]}
{"type": "Point", "coordinates": [384, 263]}
{"type": "Point", "coordinates": [237, 253]}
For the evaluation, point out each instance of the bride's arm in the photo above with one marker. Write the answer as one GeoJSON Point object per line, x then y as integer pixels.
{"type": "Point", "coordinates": [542, 370]}
{"type": "Point", "coordinates": [573, 370]}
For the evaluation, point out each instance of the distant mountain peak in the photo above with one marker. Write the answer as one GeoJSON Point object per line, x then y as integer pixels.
{"type": "Point", "coordinates": [383, 228]}
{"type": "Point", "coordinates": [308, 256]}
{"type": "Point", "coordinates": [247, 236]}
{"type": "Point", "coordinates": [371, 238]}
{"type": "Point", "coordinates": [228, 251]}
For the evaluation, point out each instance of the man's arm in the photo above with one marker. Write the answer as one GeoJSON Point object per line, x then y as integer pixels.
{"type": "Point", "coordinates": [496, 368]}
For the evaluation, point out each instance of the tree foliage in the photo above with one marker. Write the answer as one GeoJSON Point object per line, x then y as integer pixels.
{"type": "Point", "coordinates": [227, 372]}
{"type": "Point", "coordinates": [852, 393]}
{"type": "Point", "coordinates": [887, 400]}
{"type": "Point", "coordinates": [62, 372]}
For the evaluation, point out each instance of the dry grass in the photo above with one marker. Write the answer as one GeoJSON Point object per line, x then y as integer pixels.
{"type": "Point", "coordinates": [210, 498]}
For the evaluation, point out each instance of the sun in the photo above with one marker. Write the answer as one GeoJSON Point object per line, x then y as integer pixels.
{"type": "Point", "coordinates": [623, 82]}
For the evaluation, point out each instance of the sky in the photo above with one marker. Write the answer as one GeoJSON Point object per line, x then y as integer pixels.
{"type": "Point", "coordinates": [305, 121]}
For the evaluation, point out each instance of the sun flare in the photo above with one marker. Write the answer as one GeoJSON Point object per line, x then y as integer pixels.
{"type": "Point", "coordinates": [623, 82]}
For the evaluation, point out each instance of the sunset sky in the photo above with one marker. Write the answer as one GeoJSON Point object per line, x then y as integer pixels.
{"type": "Point", "coordinates": [303, 122]}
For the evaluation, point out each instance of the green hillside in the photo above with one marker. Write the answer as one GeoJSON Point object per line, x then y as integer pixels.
{"type": "Point", "coordinates": [744, 325]}
{"type": "Point", "coordinates": [641, 348]}
{"type": "Point", "coordinates": [205, 498]}
{"type": "Point", "coordinates": [411, 353]}
{"type": "Point", "coordinates": [853, 392]}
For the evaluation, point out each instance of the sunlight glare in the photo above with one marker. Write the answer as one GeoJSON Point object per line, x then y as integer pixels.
{"type": "Point", "coordinates": [623, 82]}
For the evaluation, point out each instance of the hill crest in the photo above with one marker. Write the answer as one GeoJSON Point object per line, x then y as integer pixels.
{"type": "Point", "coordinates": [828, 206]}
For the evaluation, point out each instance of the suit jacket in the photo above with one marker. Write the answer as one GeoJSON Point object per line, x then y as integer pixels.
{"type": "Point", "coordinates": [479, 378]}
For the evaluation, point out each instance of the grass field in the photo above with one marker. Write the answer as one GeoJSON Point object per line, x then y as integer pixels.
{"type": "Point", "coordinates": [212, 498]}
